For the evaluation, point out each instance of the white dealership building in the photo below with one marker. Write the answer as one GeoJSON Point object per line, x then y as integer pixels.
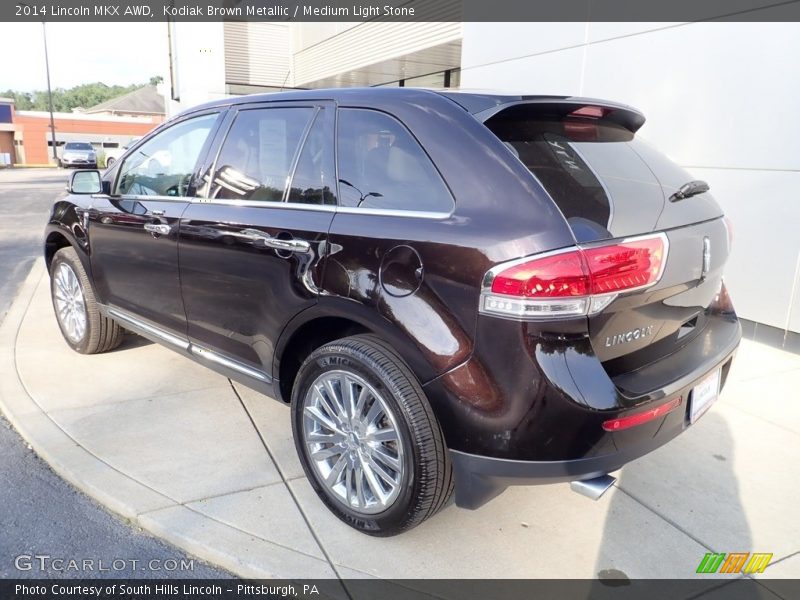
{"type": "Point", "coordinates": [721, 99]}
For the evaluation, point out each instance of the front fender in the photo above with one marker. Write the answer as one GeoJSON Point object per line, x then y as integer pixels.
{"type": "Point", "coordinates": [66, 224]}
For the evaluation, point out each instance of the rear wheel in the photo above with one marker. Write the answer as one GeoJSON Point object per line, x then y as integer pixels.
{"type": "Point", "coordinates": [110, 161]}
{"type": "Point", "coordinates": [84, 328]}
{"type": "Point", "coordinates": [368, 440]}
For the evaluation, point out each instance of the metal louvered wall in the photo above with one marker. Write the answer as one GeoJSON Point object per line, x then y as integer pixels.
{"type": "Point", "coordinates": [257, 53]}
{"type": "Point", "coordinates": [370, 43]}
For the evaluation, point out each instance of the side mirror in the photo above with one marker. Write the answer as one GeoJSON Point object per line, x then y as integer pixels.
{"type": "Point", "coordinates": [85, 182]}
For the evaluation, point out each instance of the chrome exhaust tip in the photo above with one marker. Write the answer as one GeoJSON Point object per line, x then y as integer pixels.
{"type": "Point", "coordinates": [593, 488]}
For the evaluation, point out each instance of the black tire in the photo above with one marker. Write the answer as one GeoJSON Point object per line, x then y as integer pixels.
{"type": "Point", "coordinates": [427, 482]}
{"type": "Point", "coordinates": [101, 333]}
{"type": "Point", "coordinates": [110, 161]}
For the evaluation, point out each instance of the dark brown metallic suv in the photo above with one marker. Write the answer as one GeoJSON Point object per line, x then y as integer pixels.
{"type": "Point", "coordinates": [449, 289]}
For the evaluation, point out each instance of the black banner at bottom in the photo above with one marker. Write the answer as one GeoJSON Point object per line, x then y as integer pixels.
{"type": "Point", "coordinates": [411, 589]}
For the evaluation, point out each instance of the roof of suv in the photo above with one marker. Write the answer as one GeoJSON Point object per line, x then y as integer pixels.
{"type": "Point", "coordinates": [474, 103]}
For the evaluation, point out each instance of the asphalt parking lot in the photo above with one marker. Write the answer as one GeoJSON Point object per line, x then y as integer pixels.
{"type": "Point", "coordinates": [210, 467]}
{"type": "Point", "coordinates": [41, 513]}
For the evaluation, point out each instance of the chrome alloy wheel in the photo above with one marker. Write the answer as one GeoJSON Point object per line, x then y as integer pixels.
{"type": "Point", "coordinates": [70, 306]}
{"type": "Point", "coordinates": [353, 441]}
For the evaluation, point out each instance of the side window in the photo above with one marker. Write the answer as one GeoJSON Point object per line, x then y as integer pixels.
{"type": "Point", "coordinates": [314, 180]}
{"type": "Point", "coordinates": [164, 165]}
{"type": "Point", "coordinates": [381, 165]}
{"type": "Point", "coordinates": [258, 153]}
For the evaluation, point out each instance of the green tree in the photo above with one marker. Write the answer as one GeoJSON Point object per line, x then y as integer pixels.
{"type": "Point", "coordinates": [81, 96]}
{"type": "Point", "coordinates": [22, 100]}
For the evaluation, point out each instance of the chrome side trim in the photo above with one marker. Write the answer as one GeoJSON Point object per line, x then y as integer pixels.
{"type": "Point", "coordinates": [134, 323]}
{"type": "Point", "coordinates": [146, 329]}
{"type": "Point", "coordinates": [229, 363]}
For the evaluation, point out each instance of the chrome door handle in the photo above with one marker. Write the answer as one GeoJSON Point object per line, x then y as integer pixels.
{"type": "Point", "coordinates": [158, 228]}
{"type": "Point", "coordinates": [276, 243]}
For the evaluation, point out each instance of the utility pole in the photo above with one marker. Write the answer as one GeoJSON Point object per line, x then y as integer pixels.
{"type": "Point", "coordinates": [49, 95]}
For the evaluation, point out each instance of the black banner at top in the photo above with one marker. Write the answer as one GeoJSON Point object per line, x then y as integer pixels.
{"type": "Point", "coordinates": [401, 10]}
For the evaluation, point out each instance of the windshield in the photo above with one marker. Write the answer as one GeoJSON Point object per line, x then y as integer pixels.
{"type": "Point", "coordinates": [78, 146]}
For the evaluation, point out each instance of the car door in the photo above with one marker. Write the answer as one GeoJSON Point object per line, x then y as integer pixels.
{"type": "Point", "coordinates": [251, 247]}
{"type": "Point", "coordinates": [395, 238]}
{"type": "Point", "coordinates": [133, 232]}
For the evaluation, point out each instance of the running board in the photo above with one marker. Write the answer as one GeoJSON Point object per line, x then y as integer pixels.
{"type": "Point", "coordinates": [593, 488]}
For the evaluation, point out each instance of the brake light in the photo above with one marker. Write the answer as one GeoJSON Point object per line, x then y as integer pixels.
{"type": "Point", "coordinates": [643, 417]}
{"type": "Point", "coordinates": [625, 266]}
{"type": "Point", "coordinates": [592, 112]}
{"type": "Point", "coordinates": [576, 281]}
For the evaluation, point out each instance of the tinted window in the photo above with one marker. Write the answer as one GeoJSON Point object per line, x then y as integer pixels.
{"type": "Point", "coordinates": [588, 164]}
{"type": "Point", "coordinates": [258, 153]}
{"type": "Point", "coordinates": [315, 175]}
{"type": "Point", "coordinates": [163, 166]}
{"type": "Point", "coordinates": [77, 146]}
{"type": "Point", "coordinates": [382, 166]}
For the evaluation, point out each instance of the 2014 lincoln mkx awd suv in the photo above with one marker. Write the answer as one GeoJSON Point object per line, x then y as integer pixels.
{"type": "Point", "coordinates": [452, 291]}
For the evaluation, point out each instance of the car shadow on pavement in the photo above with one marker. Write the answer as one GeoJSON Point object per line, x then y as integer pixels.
{"type": "Point", "coordinates": [674, 506]}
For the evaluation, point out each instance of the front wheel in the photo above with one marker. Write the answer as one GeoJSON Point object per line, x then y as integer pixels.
{"type": "Point", "coordinates": [84, 328]}
{"type": "Point", "coordinates": [367, 438]}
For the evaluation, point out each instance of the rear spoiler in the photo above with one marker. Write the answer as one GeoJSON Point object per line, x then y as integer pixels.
{"type": "Point", "coordinates": [484, 107]}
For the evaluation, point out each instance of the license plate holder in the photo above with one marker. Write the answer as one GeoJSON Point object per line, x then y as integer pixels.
{"type": "Point", "coordinates": [703, 395]}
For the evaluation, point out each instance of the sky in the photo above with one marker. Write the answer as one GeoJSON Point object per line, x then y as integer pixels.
{"type": "Point", "coordinates": [112, 53]}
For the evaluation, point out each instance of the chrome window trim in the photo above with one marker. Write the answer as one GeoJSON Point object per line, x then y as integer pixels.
{"type": "Point", "coordinates": [348, 210]}
{"type": "Point", "coordinates": [265, 204]}
{"type": "Point", "coordinates": [394, 212]}
{"type": "Point", "coordinates": [144, 198]}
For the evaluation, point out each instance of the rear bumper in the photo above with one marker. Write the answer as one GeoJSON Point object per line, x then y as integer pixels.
{"type": "Point", "coordinates": [480, 478]}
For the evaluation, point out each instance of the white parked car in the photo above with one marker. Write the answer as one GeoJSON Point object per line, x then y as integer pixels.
{"type": "Point", "coordinates": [113, 154]}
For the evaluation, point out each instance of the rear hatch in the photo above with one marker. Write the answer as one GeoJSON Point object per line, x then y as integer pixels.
{"type": "Point", "coordinates": [610, 185]}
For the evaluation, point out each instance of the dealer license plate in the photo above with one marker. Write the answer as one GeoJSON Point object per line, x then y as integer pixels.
{"type": "Point", "coordinates": [703, 396]}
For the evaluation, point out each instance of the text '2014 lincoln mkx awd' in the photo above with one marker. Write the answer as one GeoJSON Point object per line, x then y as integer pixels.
{"type": "Point", "coordinates": [452, 291]}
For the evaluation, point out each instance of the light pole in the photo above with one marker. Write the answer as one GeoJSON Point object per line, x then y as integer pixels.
{"type": "Point", "coordinates": [49, 95]}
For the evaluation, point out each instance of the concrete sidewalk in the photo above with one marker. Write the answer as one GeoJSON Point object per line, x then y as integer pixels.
{"type": "Point", "coordinates": [211, 467]}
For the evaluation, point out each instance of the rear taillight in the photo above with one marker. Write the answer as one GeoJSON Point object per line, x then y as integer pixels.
{"type": "Point", "coordinates": [575, 281]}
{"type": "Point", "coordinates": [729, 229]}
{"type": "Point", "coordinates": [642, 417]}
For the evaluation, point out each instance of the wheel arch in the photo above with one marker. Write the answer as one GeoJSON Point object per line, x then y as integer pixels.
{"type": "Point", "coordinates": [57, 237]}
{"type": "Point", "coordinates": [332, 319]}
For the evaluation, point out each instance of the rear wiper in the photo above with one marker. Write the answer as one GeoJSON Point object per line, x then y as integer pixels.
{"type": "Point", "coordinates": [687, 190]}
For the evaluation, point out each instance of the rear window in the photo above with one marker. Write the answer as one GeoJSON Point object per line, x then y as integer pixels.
{"type": "Point", "coordinates": [587, 163]}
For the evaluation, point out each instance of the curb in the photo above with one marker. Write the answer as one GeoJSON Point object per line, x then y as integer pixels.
{"type": "Point", "coordinates": [212, 541]}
